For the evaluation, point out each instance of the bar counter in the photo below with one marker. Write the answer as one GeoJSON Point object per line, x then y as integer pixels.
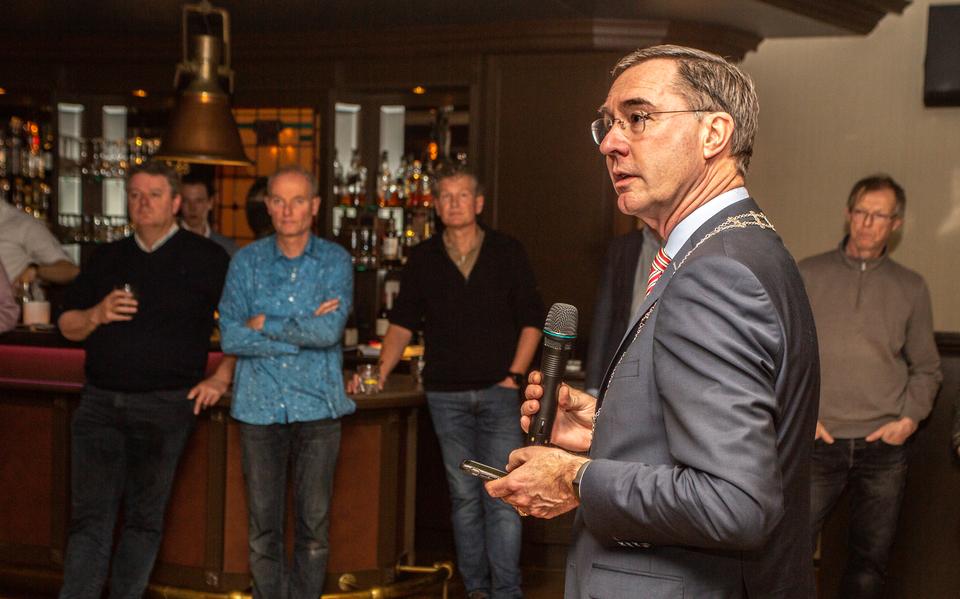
{"type": "Point", "coordinates": [205, 539]}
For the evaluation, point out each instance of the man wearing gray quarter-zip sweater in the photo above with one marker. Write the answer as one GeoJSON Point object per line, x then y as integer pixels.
{"type": "Point", "coordinates": [880, 372]}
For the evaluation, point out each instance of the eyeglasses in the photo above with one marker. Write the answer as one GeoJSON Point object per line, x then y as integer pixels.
{"type": "Point", "coordinates": [860, 215]}
{"type": "Point", "coordinates": [637, 121]}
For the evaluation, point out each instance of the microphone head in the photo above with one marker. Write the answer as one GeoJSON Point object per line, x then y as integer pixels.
{"type": "Point", "coordinates": [561, 321]}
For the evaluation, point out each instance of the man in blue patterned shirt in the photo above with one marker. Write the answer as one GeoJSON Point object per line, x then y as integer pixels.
{"type": "Point", "coordinates": [282, 314]}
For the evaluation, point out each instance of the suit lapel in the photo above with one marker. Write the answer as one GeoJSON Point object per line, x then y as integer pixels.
{"type": "Point", "coordinates": [736, 208]}
{"type": "Point", "coordinates": [627, 339]}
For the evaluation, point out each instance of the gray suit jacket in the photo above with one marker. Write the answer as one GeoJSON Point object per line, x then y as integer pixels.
{"type": "Point", "coordinates": [699, 484]}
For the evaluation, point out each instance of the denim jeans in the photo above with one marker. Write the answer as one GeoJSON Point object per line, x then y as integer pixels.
{"type": "Point", "coordinates": [482, 425]}
{"type": "Point", "coordinates": [123, 446]}
{"type": "Point", "coordinates": [312, 449]}
{"type": "Point", "coordinates": [875, 474]}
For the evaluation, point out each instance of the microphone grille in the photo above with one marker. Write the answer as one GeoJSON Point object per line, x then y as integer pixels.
{"type": "Point", "coordinates": [562, 320]}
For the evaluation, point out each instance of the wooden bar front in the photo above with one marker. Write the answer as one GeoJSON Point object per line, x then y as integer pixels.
{"type": "Point", "coordinates": [205, 537]}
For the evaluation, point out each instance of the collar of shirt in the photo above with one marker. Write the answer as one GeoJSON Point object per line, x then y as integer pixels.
{"type": "Point", "coordinates": [685, 228]}
{"type": "Point", "coordinates": [205, 232]}
{"type": "Point", "coordinates": [861, 264]}
{"type": "Point", "coordinates": [309, 250]}
{"type": "Point", "coordinates": [173, 231]}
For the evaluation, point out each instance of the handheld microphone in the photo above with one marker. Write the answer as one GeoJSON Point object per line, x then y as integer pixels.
{"type": "Point", "coordinates": [559, 333]}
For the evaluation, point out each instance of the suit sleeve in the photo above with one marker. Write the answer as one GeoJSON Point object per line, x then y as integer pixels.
{"type": "Point", "coordinates": [717, 344]}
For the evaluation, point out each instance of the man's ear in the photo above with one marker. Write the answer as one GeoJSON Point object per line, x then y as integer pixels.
{"type": "Point", "coordinates": [718, 131]}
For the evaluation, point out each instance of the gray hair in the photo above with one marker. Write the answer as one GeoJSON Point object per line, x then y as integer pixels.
{"type": "Point", "coordinates": [710, 82]}
{"type": "Point", "coordinates": [876, 183]}
{"type": "Point", "coordinates": [158, 168]}
{"type": "Point", "coordinates": [452, 172]}
{"type": "Point", "coordinates": [295, 169]}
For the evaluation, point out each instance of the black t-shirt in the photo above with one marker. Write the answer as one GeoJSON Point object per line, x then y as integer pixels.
{"type": "Point", "coordinates": [471, 327]}
{"type": "Point", "coordinates": [165, 346]}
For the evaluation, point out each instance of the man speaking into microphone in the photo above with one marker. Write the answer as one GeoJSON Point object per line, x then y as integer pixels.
{"type": "Point", "coordinates": [697, 479]}
{"type": "Point", "coordinates": [473, 293]}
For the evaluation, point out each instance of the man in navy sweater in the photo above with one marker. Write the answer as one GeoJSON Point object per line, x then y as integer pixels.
{"type": "Point", "coordinates": [143, 306]}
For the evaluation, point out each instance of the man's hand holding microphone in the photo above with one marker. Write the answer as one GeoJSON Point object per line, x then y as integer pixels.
{"type": "Point", "coordinates": [540, 479]}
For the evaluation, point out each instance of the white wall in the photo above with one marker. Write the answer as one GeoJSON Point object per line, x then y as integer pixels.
{"type": "Point", "coordinates": [833, 110]}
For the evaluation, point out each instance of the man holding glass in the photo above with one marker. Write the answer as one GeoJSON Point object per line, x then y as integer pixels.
{"type": "Point", "coordinates": [144, 308]}
{"type": "Point", "coordinates": [283, 311]}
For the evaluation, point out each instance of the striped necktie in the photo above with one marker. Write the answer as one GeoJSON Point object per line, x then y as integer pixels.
{"type": "Point", "coordinates": [660, 263]}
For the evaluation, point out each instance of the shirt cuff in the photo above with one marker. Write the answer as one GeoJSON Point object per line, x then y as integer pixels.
{"type": "Point", "coordinates": [272, 327]}
{"type": "Point", "coordinates": [578, 479]}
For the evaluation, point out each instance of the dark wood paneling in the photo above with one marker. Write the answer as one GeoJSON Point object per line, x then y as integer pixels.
{"type": "Point", "coordinates": [235, 506]}
{"type": "Point", "coordinates": [355, 521]}
{"type": "Point", "coordinates": [26, 447]}
{"type": "Point", "coordinates": [186, 519]}
{"type": "Point", "coordinates": [547, 182]}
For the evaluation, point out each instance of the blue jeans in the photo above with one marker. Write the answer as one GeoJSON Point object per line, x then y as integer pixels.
{"type": "Point", "coordinates": [482, 425]}
{"type": "Point", "coordinates": [875, 474]}
{"type": "Point", "coordinates": [312, 449]}
{"type": "Point", "coordinates": [123, 446]}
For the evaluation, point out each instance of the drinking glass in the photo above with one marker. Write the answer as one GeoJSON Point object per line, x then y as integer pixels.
{"type": "Point", "coordinates": [369, 379]}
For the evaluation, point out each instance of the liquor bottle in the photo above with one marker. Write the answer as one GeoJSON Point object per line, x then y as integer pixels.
{"type": "Point", "coordinates": [14, 147]}
{"type": "Point", "coordinates": [3, 154]}
{"type": "Point", "coordinates": [48, 153]}
{"type": "Point", "coordinates": [351, 336]}
{"type": "Point", "coordinates": [401, 181]}
{"type": "Point", "coordinates": [426, 198]}
{"type": "Point", "coordinates": [383, 317]}
{"type": "Point", "coordinates": [357, 179]}
{"type": "Point", "coordinates": [353, 177]}
{"type": "Point", "coordinates": [410, 238]}
{"type": "Point", "coordinates": [339, 182]}
{"type": "Point", "coordinates": [414, 198]}
{"type": "Point", "coordinates": [390, 249]}
{"type": "Point", "coordinates": [383, 180]}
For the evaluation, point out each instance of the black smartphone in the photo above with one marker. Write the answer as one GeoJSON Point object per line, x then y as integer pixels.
{"type": "Point", "coordinates": [481, 470]}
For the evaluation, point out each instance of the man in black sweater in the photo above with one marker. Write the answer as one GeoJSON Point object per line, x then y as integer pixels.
{"type": "Point", "coordinates": [473, 293]}
{"type": "Point", "coordinates": [143, 306]}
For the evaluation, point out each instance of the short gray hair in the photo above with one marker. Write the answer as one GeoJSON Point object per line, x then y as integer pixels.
{"type": "Point", "coordinates": [158, 168]}
{"type": "Point", "coordinates": [295, 169]}
{"type": "Point", "coordinates": [453, 172]}
{"type": "Point", "coordinates": [878, 182]}
{"type": "Point", "coordinates": [710, 82]}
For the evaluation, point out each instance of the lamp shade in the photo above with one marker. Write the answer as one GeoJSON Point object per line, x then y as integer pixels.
{"type": "Point", "coordinates": [202, 130]}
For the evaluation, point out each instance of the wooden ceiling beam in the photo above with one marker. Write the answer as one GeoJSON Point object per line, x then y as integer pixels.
{"type": "Point", "coordinates": [858, 16]}
{"type": "Point", "coordinates": [515, 37]}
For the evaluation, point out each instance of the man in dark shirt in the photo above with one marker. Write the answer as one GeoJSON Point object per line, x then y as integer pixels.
{"type": "Point", "coordinates": [143, 306]}
{"type": "Point", "coordinates": [472, 291]}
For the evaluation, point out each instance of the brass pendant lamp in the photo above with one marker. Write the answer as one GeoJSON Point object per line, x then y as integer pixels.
{"type": "Point", "coordinates": [202, 129]}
